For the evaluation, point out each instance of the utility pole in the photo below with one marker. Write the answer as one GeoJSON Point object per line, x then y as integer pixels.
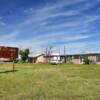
{"type": "Point", "coordinates": [65, 54]}
{"type": "Point", "coordinates": [46, 55]}
{"type": "Point", "coordinates": [50, 51]}
{"type": "Point", "coordinates": [59, 51]}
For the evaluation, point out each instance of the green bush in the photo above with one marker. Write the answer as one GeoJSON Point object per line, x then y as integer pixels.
{"type": "Point", "coordinates": [86, 60]}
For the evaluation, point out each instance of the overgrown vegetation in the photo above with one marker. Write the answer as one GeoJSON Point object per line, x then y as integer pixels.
{"type": "Point", "coordinates": [24, 55]}
{"type": "Point", "coordinates": [13, 59]}
{"type": "Point", "coordinates": [86, 60]}
{"type": "Point", "coordinates": [50, 82]}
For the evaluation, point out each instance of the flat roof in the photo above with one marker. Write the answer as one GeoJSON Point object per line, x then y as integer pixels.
{"type": "Point", "coordinates": [81, 54]}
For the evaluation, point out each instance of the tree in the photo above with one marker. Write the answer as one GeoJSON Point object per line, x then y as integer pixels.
{"type": "Point", "coordinates": [27, 52]}
{"type": "Point", "coordinates": [86, 60]}
{"type": "Point", "coordinates": [24, 54]}
{"type": "Point", "coordinates": [48, 53]}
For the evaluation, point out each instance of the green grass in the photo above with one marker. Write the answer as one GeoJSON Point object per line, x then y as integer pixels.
{"type": "Point", "coordinates": [50, 82]}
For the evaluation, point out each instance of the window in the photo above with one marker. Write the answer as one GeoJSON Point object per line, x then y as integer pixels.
{"type": "Point", "coordinates": [75, 57]}
{"type": "Point", "coordinates": [98, 58]}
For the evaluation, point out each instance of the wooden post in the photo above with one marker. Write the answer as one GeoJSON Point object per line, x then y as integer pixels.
{"type": "Point", "coordinates": [13, 65]}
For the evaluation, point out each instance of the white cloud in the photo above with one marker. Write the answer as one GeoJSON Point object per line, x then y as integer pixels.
{"type": "Point", "coordinates": [9, 36]}
{"type": "Point", "coordinates": [67, 13]}
{"type": "Point", "coordinates": [41, 15]}
{"type": "Point", "coordinates": [90, 19]}
{"type": "Point", "coordinates": [38, 21]}
{"type": "Point", "coordinates": [0, 18]}
{"type": "Point", "coordinates": [2, 23]}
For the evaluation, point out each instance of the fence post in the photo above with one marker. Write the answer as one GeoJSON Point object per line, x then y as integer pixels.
{"type": "Point", "coordinates": [13, 65]}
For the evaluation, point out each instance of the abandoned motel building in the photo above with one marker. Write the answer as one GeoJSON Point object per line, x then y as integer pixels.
{"type": "Point", "coordinates": [72, 58]}
{"type": "Point", "coordinates": [94, 58]}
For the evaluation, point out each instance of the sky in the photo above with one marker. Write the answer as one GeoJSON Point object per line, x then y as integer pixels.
{"type": "Point", "coordinates": [38, 24]}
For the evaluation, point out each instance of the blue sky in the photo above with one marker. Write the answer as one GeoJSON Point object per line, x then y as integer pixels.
{"type": "Point", "coordinates": [37, 24]}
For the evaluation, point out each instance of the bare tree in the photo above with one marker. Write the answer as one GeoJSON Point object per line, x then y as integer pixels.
{"type": "Point", "coordinates": [48, 52]}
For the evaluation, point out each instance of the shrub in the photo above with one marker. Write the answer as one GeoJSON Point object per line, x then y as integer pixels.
{"type": "Point", "coordinates": [86, 60]}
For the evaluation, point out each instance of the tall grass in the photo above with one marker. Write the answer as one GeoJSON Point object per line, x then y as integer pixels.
{"type": "Point", "coordinates": [50, 82]}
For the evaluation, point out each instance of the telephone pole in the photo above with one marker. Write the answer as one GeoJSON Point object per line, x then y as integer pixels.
{"type": "Point", "coordinates": [65, 54]}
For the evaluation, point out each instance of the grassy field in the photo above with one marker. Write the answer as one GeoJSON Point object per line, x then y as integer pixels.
{"type": "Point", "coordinates": [50, 82]}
